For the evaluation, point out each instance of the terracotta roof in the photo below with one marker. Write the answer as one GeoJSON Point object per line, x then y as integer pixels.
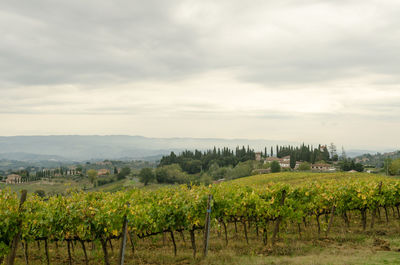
{"type": "Point", "coordinates": [13, 176]}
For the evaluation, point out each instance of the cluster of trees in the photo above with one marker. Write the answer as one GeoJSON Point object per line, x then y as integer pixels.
{"type": "Point", "coordinates": [93, 176]}
{"type": "Point", "coordinates": [174, 174]}
{"type": "Point", "coordinates": [304, 153]}
{"type": "Point", "coordinates": [61, 171]}
{"type": "Point", "coordinates": [220, 163]}
{"type": "Point", "coordinates": [25, 175]}
{"type": "Point", "coordinates": [392, 166]}
{"type": "Point", "coordinates": [350, 164]}
{"type": "Point", "coordinates": [197, 161]}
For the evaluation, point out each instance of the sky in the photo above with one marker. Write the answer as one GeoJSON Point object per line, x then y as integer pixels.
{"type": "Point", "coordinates": [306, 71]}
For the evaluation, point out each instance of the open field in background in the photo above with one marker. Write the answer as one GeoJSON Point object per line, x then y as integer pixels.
{"type": "Point", "coordinates": [298, 178]}
{"type": "Point", "coordinates": [64, 185]}
{"type": "Point", "coordinates": [56, 186]}
{"type": "Point", "coordinates": [292, 178]}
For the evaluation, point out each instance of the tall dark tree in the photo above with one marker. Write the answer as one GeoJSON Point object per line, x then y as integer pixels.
{"type": "Point", "coordinates": [292, 161]}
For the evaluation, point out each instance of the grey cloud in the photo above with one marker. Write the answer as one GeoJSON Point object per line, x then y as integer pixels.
{"type": "Point", "coordinates": [91, 42]}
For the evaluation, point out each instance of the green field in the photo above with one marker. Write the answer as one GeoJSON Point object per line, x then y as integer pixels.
{"type": "Point", "coordinates": [60, 186]}
{"type": "Point", "coordinates": [54, 187]}
{"type": "Point", "coordinates": [299, 178]}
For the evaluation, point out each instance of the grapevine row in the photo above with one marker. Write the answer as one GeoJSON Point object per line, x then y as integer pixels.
{"type": "Point", "coordinates": [99, 216]}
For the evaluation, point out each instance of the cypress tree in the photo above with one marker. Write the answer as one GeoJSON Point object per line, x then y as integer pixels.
{"type": "Point", "coordinates": [292, 160]}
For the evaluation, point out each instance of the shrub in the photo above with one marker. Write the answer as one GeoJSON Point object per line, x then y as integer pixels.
{"type": "Point", "coordinates": [275, 167]}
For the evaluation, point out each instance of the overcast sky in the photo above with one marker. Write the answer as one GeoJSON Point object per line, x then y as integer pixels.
{"type": "Point", "coordinates": [314, 71]}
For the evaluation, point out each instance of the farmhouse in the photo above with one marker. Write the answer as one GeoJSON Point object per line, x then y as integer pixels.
{"type": "Point", "coordinates": [271, 158]}
{"type": "Point", "coordinates": [13, 179]}
{"type": "Point", "coordinates": [284, 162]}
{"type": "Point", "coordinates": [103, 172]}
{"type": "Point", "coordinates": [322, 167]}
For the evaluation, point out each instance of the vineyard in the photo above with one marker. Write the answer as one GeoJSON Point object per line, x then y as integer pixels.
{"type": "Point", "coordinates": [265, 208]}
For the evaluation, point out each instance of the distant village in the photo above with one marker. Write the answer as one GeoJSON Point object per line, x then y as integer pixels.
{"type": "Point", "coordinates": [284, 163]}
{"type": "Point", "coordinates": [103, 168]}
{"type": "Point", "coordinates": [198, 166]}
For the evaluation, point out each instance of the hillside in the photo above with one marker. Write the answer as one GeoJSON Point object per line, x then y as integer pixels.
{"type": "Point", "coordinates": [377, 159]}
{"type": "Point", "coordinates": [298, 178]}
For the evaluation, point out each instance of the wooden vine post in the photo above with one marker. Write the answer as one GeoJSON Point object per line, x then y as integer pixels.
{"type": "Point", "coordinates": [330, 220]}
{"type": "Point", "coordinates": [207, 226]}
{"type": "Point", "coordinates": [278, 221]}
{"type": "Point", "coordinates": [14, 243]}
{"type": "Point", "coordinates": [374, 211]}
{"type": "Point", "coordinates": [123, 241]}
{"type": "Point", "coordinates": [193, 240]}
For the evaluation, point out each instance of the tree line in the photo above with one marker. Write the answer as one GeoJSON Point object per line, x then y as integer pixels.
{"type": "Point", "coordinates": [197, 161]}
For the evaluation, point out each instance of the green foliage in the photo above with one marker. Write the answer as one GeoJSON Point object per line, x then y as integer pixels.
{"type": "Point", "coordinates": [195, 162]}
{"type": "Point", "coordinates": [92, 175]}
{"type": "Point", "coordinates": [192, 166]}
{"type": "Point", "coordinates": [146, 175]}
{"type": "Point", "coordinates": [40, 193]}
{"type": "Point", "coordinates": [79, 168]}
{"type": "Point", "coordinates": [105, 180]}
{"type": "Point", "coordinates": [243, 169]}
{"type": "Point", "coordinates": [217, 172]}
{"type": "Point", "coordinates": [171, 174]}
{"type": "Point", "coordinates": [97, 215]}
{"type": "Point", "coordinates": [125, 171]}
{"type": "Point", "coordinates": [394, 167]}
{"type": "Point", "coordinates": [275, 167]}
{"type": "Point", "coordinates": [266, 165]}
{"type": "Point", "coordinates": [349, 164]}
{"type": "Point", "coordinates": [9, 219]}
{"type": "Point", "coordinates": [303, 153]}
{"type": "Point", "coordinates": [305, 166]}
{"type": "Point", "coordinates": [292, 161]}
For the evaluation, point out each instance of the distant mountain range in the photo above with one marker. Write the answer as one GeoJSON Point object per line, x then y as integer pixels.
{"type": "Point", "coordinates": [80, 148]}
{"type": "Point", "coordinates": [122, 147]}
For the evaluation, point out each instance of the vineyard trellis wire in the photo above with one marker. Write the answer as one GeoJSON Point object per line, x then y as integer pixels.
{"type": "Point", "coordinates": [99, 216]}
